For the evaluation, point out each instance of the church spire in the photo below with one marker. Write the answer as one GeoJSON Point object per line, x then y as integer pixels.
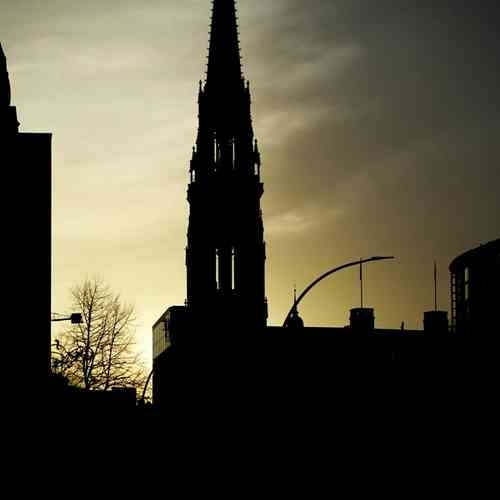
{"type": "Point", "coordinates": [294, 321]}
{"type": "Point", "coordinates": [225, 141]}
{"type": "Point", "coordinates": [225, 255]}
{"type": "Point", "coordinates": [224, 63]}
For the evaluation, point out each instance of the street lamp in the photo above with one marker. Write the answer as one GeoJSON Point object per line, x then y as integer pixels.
{"type": "Point", "coordinates": [325, 275]}
{"type": "Point", "coordinates": [75, 318]}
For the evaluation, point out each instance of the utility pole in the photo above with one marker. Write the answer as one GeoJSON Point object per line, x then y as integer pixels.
{"type": "Point", "coordinates": [435, 287]}
{"type": "Point", "coordinates": [361, 280]}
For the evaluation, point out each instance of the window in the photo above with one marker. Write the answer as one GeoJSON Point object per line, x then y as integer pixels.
{"type": "Point", "coordinates": [233, 269]}
{"type": "Point", "coordinates": [217, 269]}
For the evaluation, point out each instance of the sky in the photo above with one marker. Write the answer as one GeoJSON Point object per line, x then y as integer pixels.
{"type": "Point", "coordinates": [377, 124]}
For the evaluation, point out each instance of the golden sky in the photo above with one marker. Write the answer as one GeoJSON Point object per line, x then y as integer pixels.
{"type": "Point", "coordinates": [377, 124]}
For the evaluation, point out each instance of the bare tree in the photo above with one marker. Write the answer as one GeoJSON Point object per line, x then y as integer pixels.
{"type": "Point", "coordinates": [100, 352]}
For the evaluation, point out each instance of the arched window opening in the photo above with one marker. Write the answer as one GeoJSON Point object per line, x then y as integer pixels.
{"type": "Point", "coordinates": [233, 269]}
{"type": "Point", "coordinates": [217, 269]}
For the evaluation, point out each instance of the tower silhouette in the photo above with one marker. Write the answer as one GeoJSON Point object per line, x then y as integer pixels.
{"type": "Point", "coordinates": [26, 160]}
{"type": "Point", "coordinates": [8, 115]}
{"type": "Point", "coordinates": [225, 255]}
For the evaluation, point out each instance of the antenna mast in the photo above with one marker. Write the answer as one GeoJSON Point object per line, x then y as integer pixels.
{"type": "Point", "coordinates": [361, 280]}
{"type": "Point", "coordinates": [435, 287]}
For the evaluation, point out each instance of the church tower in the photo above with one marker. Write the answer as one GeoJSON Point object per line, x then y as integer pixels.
{"type": "Point", "coordinates": [225, 255]}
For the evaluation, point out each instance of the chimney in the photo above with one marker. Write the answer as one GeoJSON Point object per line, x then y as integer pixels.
{"type": "Point", "coordinates": [436, 322]}
{"type": "Point", "coordinates": [362, 320]}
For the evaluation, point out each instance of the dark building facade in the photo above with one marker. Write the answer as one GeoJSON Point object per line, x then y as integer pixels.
{"type": "Point", "coordinates": [172, 323]}
{"type": "Point", "coordinates": [26, 160]}
{"type": "Point", "coordinates": [475, 296]}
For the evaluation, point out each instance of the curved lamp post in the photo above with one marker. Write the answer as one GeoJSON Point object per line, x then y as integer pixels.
{"type": "Point", "coordinates": [323, 276]}
{"type": "Point", "coordinates": [299, 298]}
{"type": "Point", "coordinates": [146, 385]}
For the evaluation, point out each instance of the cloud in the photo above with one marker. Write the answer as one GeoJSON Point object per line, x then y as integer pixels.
{"type": "Point", "coordinates": [345, 86]}
{"type": "Point", "coordinates": [300, 221]}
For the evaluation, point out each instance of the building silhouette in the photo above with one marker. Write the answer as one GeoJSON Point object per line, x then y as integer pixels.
{"type": "Point", "coordinates": [475, 300]}
{"type": "Point", "coordinates": [225, 254]}
{"type": "Point", "coordinates": [39, 395]}
{"type": "Point", "coordinates": [26, 160]}
{"type": "Point", "coordinates": [174, 322]}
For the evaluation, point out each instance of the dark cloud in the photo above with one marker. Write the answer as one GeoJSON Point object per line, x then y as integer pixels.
{"type": "Point", "coordinates": [416, 82]}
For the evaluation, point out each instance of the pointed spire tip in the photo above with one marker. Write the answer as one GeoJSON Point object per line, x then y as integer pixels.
{"type": "Point", "coordinates": [224, 60]}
